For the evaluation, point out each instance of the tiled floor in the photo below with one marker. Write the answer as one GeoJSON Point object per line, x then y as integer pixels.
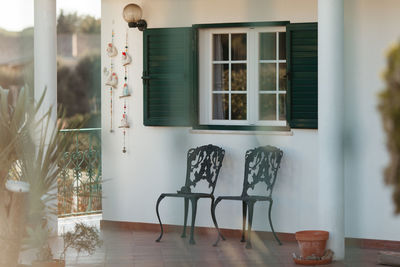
{"type": "Point", "coordinates": [132, 248]}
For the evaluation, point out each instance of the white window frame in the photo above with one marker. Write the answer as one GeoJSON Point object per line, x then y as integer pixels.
{"type": "Point", "coordinates": [252, 62]}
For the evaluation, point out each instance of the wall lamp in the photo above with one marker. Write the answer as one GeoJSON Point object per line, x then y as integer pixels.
{"type": "Point", "coordinates": [133, 15]}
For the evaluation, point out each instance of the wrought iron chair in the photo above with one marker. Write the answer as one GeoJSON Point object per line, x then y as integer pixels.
{"type": "Point", "coordinates": [261, 165]}
{"type": "Point", "coordinates": [203, 164]}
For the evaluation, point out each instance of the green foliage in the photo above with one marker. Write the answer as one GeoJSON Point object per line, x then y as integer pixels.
{"type": "Point", "coordinates": [67, 23]}
{"type": "Point", "coordinates": [79, 87]}
{"type": "Point", "coordinates": [389, 107]}
{"type": "Point", "coordinates": [90, 25]}
{"type": "Point", "coordinates": [16, 123]}
{"type": "Point", "coordinates": [72, 23]}
{"type": "Point", "coordinates": [31, 148]}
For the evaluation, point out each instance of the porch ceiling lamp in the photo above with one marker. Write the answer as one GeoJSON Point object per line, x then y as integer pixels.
{"type": "Point", "coordinates": [133, 15]}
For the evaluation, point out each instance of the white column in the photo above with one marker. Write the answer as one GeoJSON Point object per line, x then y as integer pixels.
{"type": "Point", "coordinates": [330, 122]}
{"type": "Point", "coordinates": [45, 53]}
{"type": "Point", "coordinates": [45, 66]}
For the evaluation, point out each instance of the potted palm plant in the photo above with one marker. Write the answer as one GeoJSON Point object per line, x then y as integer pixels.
{"type": "Point", "coordinates": [30, 149]}
{"type": "Point", "coordinates": [17, 119]}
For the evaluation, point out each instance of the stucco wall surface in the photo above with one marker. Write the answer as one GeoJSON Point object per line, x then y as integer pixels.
{"type": "Point", "coordinates": [156, 157]}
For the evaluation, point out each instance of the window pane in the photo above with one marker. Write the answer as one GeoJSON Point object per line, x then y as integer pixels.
{"type": "Point", "coordinates": [268, 46]}
{"type": "Point", "coordinates": [282, 45]}
{"type": "Point", "coordinates": [221, 46]}
{"type": "Point", "coordinates": [282, 77]}
{"type": "Point", "coordinates": [220, 107]}
{"type": "Point", "coordinates": [239, 46]}
{"type": "Point", "coordinates": [282, 107]}
{"type": "Point", "coordinates": [220, 77]}
{"type": "Point", "coordinates": [267, 107]}
{"type": "Point", "coordinates": [239, 77]}
{"type": "Point", "coordinates": [239, 106]}
{"type": "Point", "coordinates": [267, 77]}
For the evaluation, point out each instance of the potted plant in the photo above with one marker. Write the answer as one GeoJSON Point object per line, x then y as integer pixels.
{"type": "Point", "coordinates": [84, 238]}
{"type": "Point", "coordinates": [15, 122]}
{"type": "Point", "coordinates": [31, 147]}
{"type": "Point", "coordinates": [312, 248]}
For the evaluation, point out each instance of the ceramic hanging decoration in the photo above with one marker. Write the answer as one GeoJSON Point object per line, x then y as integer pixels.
{"type": "Point", "coordinates": [111, 76]}
{"type": "Point", "coordinates": [124, 120]}
{"type": "Point", "coordinates": [125, 60]}
{"type": "Point", "coordinates": [125, 91]}
{"type": "Point", "coordinates": [111, 50]}
{"type": "Point", "coordinates": [112, 79]}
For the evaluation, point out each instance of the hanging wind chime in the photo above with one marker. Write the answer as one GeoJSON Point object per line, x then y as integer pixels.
{"type": "Point", "coordinates": [126, 60]}
{"type": "Point", "coordinates": [111, 76]}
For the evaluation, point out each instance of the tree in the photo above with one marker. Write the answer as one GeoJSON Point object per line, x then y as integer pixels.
{"type": "Point", "coordinates": [90, 25]}
{"type": "Point", "coordinates": [389, 107]}
{"type": "Point", "coordinates": [79, 87]}
{"type": "Point", "coordinates": [68, 23]}
{"type": "Point", "coordinates": [72, 23]}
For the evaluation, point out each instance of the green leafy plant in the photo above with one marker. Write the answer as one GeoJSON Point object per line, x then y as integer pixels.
{"type": "Point", "coordinates": [389, 107]}
{"type": "Point", "coordinates": [18, 116]}
{"type": "Point", "coordinates": [31, 147]}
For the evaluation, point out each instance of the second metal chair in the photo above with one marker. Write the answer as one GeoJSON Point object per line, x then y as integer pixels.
{"type": "Point", "coordinates": [261, 165]}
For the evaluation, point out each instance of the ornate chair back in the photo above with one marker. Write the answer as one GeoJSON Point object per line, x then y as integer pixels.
{"type": "Point", "coordinates": [203, 164]}
{"type": "Point", "coordinates": [261, 165]}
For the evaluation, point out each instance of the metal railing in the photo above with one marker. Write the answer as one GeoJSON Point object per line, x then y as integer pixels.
{"type": "Point", "coordinates": [79, 183]}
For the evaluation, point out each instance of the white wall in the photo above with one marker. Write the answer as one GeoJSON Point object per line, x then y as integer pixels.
{"type": "Point", "coordinates": [370, 28]}
{"type": "Point", "coordinates": [156, 157]}
{"type": "Point", "coordinates": [155, 161]}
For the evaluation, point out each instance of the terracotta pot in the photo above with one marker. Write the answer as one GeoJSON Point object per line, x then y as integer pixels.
{"type": "Point", "coordinates": [53, 263]}
{"type": "Point", "coordinates": [312, 242]}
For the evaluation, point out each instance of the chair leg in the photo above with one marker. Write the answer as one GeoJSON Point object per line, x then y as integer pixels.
{"type": "Point", "coordinates": [244, 210]}
{"type": "Point", "coordinates": [185, 218]}
{"type": "Point", "coordinates": [251, 208]}
{"type": "Point", "coordinates": [158, 216]}
{"type": "Point", "coordinates": [213, 206]}
{"type": "Point", "coordinates": [194, 210]}
{"type": "Point", "coordinates": [270, 223]}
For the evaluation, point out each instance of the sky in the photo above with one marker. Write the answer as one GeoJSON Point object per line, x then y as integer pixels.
{"type": "Point", "coordinates": [16, 15]}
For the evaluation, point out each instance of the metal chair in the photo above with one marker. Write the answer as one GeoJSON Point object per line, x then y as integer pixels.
{"type": "Point", "coordinates": [203, 164]}
{"type": "Point", "coordinates": [261, 165]}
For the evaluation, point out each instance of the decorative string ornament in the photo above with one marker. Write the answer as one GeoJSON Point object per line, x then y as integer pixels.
{"type": "Point", "coordinates": [126, 60]}
{"type": "Point", "coordinates": [111, 76]}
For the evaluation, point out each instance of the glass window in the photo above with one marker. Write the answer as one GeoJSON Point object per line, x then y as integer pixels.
{"type": "Point", "coordinates": [243, 76]}
{"type": "Point", "coordinates": [272, 76]}
{"type": "Point", "coordinates": [229, 74]}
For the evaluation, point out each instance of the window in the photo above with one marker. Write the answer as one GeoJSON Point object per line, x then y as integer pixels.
{"type": "Point", "coordinates": [236, 76]}
{"type": "Point", "coordinates": [242, 76]}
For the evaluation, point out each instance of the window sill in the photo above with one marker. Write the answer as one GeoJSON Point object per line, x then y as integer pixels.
{"type": "Point", "coordinates": [241, 130]}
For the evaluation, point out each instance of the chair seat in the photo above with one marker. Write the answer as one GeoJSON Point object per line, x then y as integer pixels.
{"type": "Point", "coordinates": [188, 195]}
{"type": "Point", "coordinates": [245, 198]}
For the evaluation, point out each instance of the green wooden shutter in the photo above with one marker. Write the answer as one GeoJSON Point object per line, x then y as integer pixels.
{"type": "Point", "coordinates": [302, 67]}
{"type": "Point", "coordinates": [168, 77]}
